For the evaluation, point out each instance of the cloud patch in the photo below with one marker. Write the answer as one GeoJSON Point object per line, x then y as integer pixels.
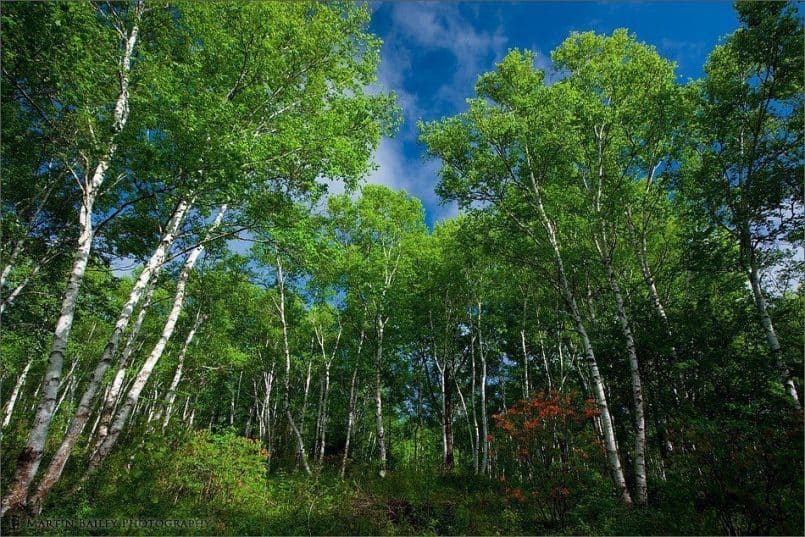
{"type": "Point", "coordinates": [419, 29]}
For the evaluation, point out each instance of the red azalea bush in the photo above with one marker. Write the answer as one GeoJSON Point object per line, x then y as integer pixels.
{"type": "Point", "coordinates": [545, 449]}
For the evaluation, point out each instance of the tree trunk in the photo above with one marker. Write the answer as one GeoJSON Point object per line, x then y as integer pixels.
{"type": "Point", "coordinates": [476, 445]}
{"type": "Point", "coordinates": [323, 443]}
{"type": "Point", "coordinates": [9, 410]}
{"type": "Point", "coordinates": [303, 414]}
{"type": "Point", "coordinates": [771, 335]}
{"type": "Point", "coordinates": [608, 430]}
{"type": "Point", "coordinates": [12, 257]}
{"type": "Point", "coordinates": [447, 394]}
{"type": "Point", "coordinates": [177, 376]}
{"type": "Point", "coordinates": [31, 455]}
{"type": "Point", "coordinates": [156, 353]}
{"type": "Point", "coordinates": [113, 396]}
{"type": "Point", "coordinates": [466, 413]}
{"type": "Point", "coordinates": [281, 308]}
{"type": "Point", "coordinates": [381, 433]}
{"type": "Point", "coordinates": [641, 485]}
{"type": "Point", "coordinates": [443, 410]}
{"type": "Point", "coordinates": [8, 300]}
{"type": "Point", "coordinates": [326, 397]}
{"type": "Point", "coordinates": [485, 462]}
{"type": "Point", "coordinates": [82, 414]}
{"type": "Point", "coordinates": [235, 399]}
{"type": "Point", "coordinates": [319, 417]}
{"type": "Point", "coordinates": [351, 411]}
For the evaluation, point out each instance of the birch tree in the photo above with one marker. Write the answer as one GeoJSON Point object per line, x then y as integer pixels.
{"type": "Point", "coordinates": [743, 174]}
{"type": "Point", "coordinates": [127, 26]}
{"type": "Point", "coordinates": [504, 155]}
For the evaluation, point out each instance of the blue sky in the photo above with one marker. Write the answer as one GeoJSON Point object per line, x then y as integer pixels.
{"type": "Point", "coordinates": [433, 52]}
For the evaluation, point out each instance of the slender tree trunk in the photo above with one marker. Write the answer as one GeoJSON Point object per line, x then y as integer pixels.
{"type": "Point", "coordinates": [234, 402]}
{"type": "Point", "coordinates": [526, 390]}
{"type": "Point", "coordinates": [466, 414]}
{"type": "Point", "coordinates": [67, 382]}
{"type": "Point", "coordinates": [12, 257]}
{"type": "Point", "coordinates": [247, 430]}
{"type": "Point", "coordinates": [648, 277]}
{"type": "Point", "coordinates": [303, 415]}
{"type": "Point", "coordinates": [544, 362]}
{"type": "Point", "coordinates": [326, 396]}
{"type": "Point", "coordinates": [34, 398]}
{"type": "Point", "coordinates": [186, 407]}
{"type": "Point", "coordinates": [259, 413]}
{"type": "Point", "coordinates": [8, 300]}
{"type": "Point", "coordinates": [771, 335]}
{"type": "Point", "coordinates": [381, 433]}
{"type": "Point", "coordinates": [443, 413]}
{"type": "Point", "coordinates": [352, 401]}
{"type": "Point", "coordinates": [645, 268]}
{"type": "Point", "coordinates": [271, 420]}
{"type": "Point", "coordinates": [97, 420]}
{"type": "Point", "coordinates": [112, 398]}
{"type": "Point", "coordinates": [325, 399]}
{"type": "Point", "coordinates": [641, 485]}
{"type": "Point", "coordinates": [177, 376]}
{"type": "Point", "coordinates": [9, 410]}
{"type": "Point", "coordinates": [31, 455]}
{"type": "Point", "coordinates": [608, 430]}
{"type": "Point", "coordinates": [476, 445]}
{"type": "Point", "coordinates": [447, 394]}
{"type": "Point", "coordinates": [319, 417]}
{"type": "Point", "coordinates": [485, 462]}
{"type": "Point", "coordinates": [156, 353]}
{"type": "Point", "coordinates": [56, 467]}
{"type": "Point", "coordinates": [281, 307]}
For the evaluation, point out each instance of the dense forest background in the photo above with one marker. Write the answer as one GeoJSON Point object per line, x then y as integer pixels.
{"type": "Point", "coordinates": [607, 340]}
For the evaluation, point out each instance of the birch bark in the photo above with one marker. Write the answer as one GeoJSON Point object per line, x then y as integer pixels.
{"type": "Point", "coordinates": [287, 402]}
{"type": "Point", "coordinates": [31, 455]}
{"type": "Point", "coordinates": [9, 410]}
{"type": "Point", "coordinates": [144, 374]}
{"type": "Point", "coordinates": [82, 414]}
{"type": "Point", "coordinates": [177, 376]}
{"type": "Point", "coordinates": [607, 428]}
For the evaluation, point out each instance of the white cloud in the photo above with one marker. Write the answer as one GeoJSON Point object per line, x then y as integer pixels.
{"type": "Point", "coordinates": [543, 62]}
{"type": "Point", "coordinates": [428, 26]}
{"type": "Point", "coordinates": [435, 25]}
{"type": "Point", "coordinates": [417, 177]}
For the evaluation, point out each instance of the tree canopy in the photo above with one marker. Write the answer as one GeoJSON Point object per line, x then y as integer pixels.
{"type": "Point", "coordinates": [606, 340]}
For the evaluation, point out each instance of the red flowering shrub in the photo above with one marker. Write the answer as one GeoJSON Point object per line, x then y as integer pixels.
{"type": "Point", "coordinates": [547, 445]}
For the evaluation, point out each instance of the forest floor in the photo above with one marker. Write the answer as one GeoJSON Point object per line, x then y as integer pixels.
{"type": "Point", "coordinates": [404, 503]}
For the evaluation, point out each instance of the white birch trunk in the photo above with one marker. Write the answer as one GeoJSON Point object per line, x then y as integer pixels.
{"type": "Point", "coordinates": [112, 399]}
{"type": "Point", "coordinates": [641, 486]}
{"type": "Point", "coordinates": [9, 410]}
{"type": "Point", "coordinates": [7, 301]}
{"type": "Point", "coordinates": [31, 455]}
{"type": "Point", "coordinates": [771, 335]}
{"type": "Point", "coordinates": [352, 401]}
{"type": "Point", "coordinates": [286, 347]}
{"type": "Point", "coordinates": [608, 430]}
{"type": "Point", "coordinates": [144, 374]}
{"type": "Point", "coordinates": [12, 257]}
{"type": "Point", "coordinates": [485, 462]}
{"type": "Point", "coordinates": [381, 433]}
{"type": "Point", "coordinates": [476, 445]}
{"type": "Point", "coordinates": [177, 376]}
{"type": "Point", "coordinates": [79, 421]}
